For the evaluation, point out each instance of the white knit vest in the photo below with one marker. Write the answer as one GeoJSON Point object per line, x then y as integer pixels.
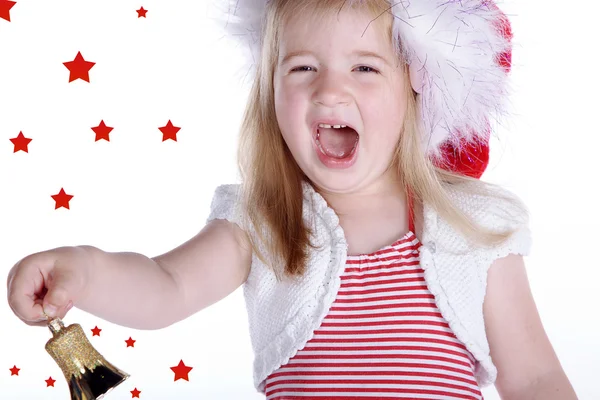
{"type": "Point", "coordinates": [283, 315]}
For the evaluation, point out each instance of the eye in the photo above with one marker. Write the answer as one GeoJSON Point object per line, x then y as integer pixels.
{"type": "Point", "coordinates": [300, 69]}
{"type": "Point", "coordinates": [371, 69]}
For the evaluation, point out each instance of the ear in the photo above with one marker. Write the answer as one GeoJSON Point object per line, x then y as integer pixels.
{"type": "Point", "coordinates": [417, 74]}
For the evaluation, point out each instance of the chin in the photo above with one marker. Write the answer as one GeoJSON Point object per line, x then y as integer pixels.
{"type": "Point", "coordinates": [334, 181]}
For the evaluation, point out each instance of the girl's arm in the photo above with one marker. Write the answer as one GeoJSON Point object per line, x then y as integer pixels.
{"type": "Point", "coordinates": [208, 267]}
{"type": "Point", "coordinates": [136, 291]}
{"type": "Point", "coordinates": [528, 367]}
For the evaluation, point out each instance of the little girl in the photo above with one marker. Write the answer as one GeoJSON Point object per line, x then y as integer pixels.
{"type": "Point", "coordinates": [375, 263]}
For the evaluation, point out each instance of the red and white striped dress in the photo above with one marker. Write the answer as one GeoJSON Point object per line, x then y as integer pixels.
{"type": "Point", "coordinates": [383, 337]}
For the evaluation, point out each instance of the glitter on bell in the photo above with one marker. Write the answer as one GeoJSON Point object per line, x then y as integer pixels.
{"type": "Point", "coordinates": [88, 374]}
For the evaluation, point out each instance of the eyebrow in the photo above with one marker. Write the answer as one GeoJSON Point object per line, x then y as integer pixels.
{"type": "Point", "coordinates": [358, 53]}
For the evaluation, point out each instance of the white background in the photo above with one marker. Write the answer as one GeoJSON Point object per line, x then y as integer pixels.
{"type": "Point", "coordinates": [137, 193]}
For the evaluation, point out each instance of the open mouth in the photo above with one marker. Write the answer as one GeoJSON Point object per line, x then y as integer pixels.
{"type": "Point", "coordinates": [336, 141]}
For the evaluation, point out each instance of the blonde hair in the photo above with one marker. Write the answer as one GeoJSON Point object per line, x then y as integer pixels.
{"type": "Point", "coordinates": [271, 186]}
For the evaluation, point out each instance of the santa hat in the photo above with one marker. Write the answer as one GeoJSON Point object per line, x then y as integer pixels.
{"type": "Point", "coordinates": [459, 56]}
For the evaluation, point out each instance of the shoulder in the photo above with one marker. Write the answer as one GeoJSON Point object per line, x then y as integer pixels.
{"type": "Point", "coordinates": [493, 210]}
{"type": "Point", "coordinates": [226, 204]}
{"type": "Point", "coordinates": [226, 192]}
{"type": "Point", "coordinates": [492, 206]}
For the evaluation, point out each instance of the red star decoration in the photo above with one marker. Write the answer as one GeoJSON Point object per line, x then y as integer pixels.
{"type": "Point", "coordinates": [135, 393]}
{"type": "Point", "coordinates": [5, 7]}
{"type": "Point", "coordinates": [62, 199]}
{"type": "Point", "coordinates": [142, 13]}
{"type": "Point", "coordinates": [130, 342]}
{"type": "Point", "coordinates": [169, 131]}
{"type": "Point", "coordinates": [20, 142]}
{"type": "Point", "coordinates": [79, 68]}
{"type": "Point", "coordinates": [96, 331]}
{"type": "Point", "coordinates": [14, 371]}
{"type": "Point", "coordinates": [181, 371]}
{"type": "Point", "coordinates": [50, 382]}
{"type": "Point", "coordinates": [102, 131]}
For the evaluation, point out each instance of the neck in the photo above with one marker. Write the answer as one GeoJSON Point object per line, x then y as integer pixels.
{"type": "Point", "coordinates": [382, 195]}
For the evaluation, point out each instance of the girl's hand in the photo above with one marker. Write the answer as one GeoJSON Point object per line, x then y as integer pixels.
{"type": "Point", "coordinates": [47, 284]}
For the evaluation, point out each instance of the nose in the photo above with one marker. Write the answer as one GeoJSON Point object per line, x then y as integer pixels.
{"type": "Point", "coordinates": [331, 90]}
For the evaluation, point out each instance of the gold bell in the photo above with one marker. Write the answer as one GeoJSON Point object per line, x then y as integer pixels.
{"type": "Point", "coordinates": [88, 374]}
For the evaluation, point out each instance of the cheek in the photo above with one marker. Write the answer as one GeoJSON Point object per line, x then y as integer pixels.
{"type": "Point", "coordinates": [289, 114]}
{"type": "Point", "coordinates": [295, 100]}
{"type": "Point", "coordinates": [386, 118]}
{"type": "Point", "coordinates": [291, 109]}
{"type": "Point", "coordinates": [396, 106]}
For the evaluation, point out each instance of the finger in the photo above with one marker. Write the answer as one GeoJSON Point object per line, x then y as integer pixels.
{"type": "Point", "coordinates": [46, 319]}
{"type": "Point", "coordinates": [24, 283]}
{"type": "Point", "coordinates": [63, 285]}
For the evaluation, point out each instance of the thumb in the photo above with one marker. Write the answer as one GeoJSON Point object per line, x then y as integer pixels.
{"type": "Point", "coordinates": [62, 288]}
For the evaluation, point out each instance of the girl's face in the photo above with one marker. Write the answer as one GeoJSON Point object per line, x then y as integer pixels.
{"type": "Point", "coordinates": [333, 79]}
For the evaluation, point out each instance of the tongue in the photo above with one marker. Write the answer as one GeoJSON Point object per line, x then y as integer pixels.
{"type": "Point", "coordinates": [337, 143]}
